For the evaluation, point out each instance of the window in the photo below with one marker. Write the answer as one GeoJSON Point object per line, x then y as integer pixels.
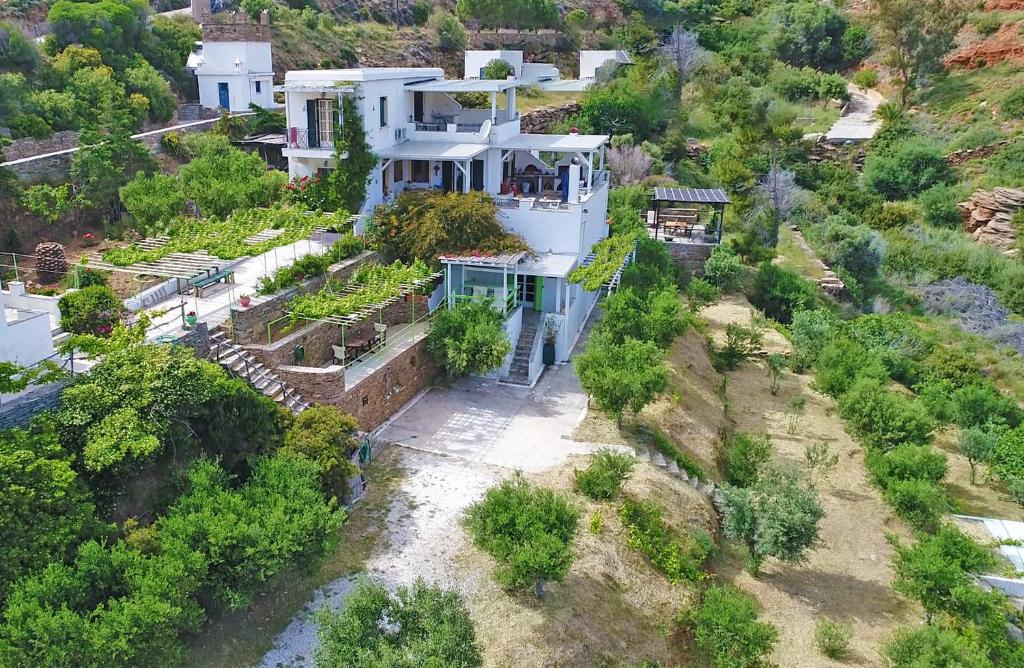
{"type": "Point", "coordinates": [383, 112]}
{"type": "Point", "coordinates": [259, 88]}
{"type": "Point", "coordinates": [420, 171]}
{"type": "Point", "coordinates": [398, 165]}
{"type": "Point", "coordinates": [325, 122]}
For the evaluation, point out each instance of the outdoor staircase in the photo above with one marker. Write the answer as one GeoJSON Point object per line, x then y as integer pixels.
{"type": "Point", "coordinates": [708, 489]}
{"type": "Point", "coordinates": [519, 370]}
{"type": "Point", "coordinates": [241, 364]}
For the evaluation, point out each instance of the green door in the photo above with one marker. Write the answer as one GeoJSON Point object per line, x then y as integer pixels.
{"type": "Point", "coordinates": [538, 294]}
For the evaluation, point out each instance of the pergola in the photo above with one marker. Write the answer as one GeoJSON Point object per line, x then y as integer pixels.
{"type": "Point", "coordinates": [675, 214]}
{"type": "Point", "coordinates": [490, 87]}
{"type": "Point", "coordinates": [588, 148]}
{"type": "Point", "coordinates": [504, 262]}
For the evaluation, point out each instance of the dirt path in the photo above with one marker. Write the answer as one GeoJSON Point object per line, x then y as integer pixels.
{"type": "Point", "coordinates": [847, 578]}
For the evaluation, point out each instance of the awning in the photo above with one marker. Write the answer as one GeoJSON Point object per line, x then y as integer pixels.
{"type": "Point", "coordinates": [463, 85]}
{"type": "Point", "coordinates": [551, 265]}
{"type": "Point", "coordinates": [555, 143]}
{"type": "Point", "coordinates": [503, 260]}
{"type": "Point", "coordinates": [432, 150]}
{"type": "Point", "coordinates": [691, 195]}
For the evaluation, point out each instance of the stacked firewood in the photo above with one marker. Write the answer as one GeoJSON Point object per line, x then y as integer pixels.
{"type": "Point", "coordinates": [988, 216]}
{"type": "Point", "coordinates": [51, 263]}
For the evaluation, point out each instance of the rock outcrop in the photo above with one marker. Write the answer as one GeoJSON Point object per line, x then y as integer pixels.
{"type": "Point", "coordinates": [988, 216]}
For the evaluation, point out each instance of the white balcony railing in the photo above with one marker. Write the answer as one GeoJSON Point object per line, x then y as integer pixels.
{"type": "Point", "coordinates": [303, 138]}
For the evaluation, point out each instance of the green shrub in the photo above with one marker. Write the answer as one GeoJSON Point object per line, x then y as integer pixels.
{"type": "Point", "coordinates": [933, 646]}
{"type": "Point", "coordinates": [1007, 458]}
{"type": "Point", "coordinates": [842, 363]}
{"type": "Point", "coordinates": [700, 293]}
{"type": "Point", "coordinates": [528, 530]}
{"type": "Point", "coordinates": [679, 560]}
{"type": "Point", "coordinates": [780, 293]}
{"type": "Point", "coordinates": [469, 338]}
{"type": "Point", "coordinates": [810, 332]}
{"type": "Point", "coordinates": [981, 403]}
{"type": "Point", "coordinates": [833, 639]}
{"type": "Point", "coordinates": [740, 343]}
{"type": "Point", "coordinates": [866, 78]}
{"type": "Point", "coordinates": [987, 23]}
{"type": "Point", "coordinates": [448, 32]}
{"type": "Point", "coordinates": [603, 479]}
{"type": "Point", "coordinates": [919, 502]}
{"type": "Point", "coordinates": [723, 268]}
{"type": "Point", "coordinates": [657, 317]}
{"type": "Point", "coordinates": [907, 169]}
{"type": "Point", "coordinates": [497, 69]}
{"type": "Point", "coordinates": [620, 376]}
{"type": "Point", "coordinates": [906, 462]}
{"type": "Point", "coordinates": [1013, 103]}
{"type": "Point", "coordinates": [326, 436]}
{"type": "Point", "coordinates": [895, 215]}
{"type": "Point", "coordinates": [743, 456]}
{"type": "Point", "coordinates": [725, 627]}
{"type": "Point", "coordinates": [425, 626]}
{"type": "Point", "coordinates": [938, 206]}
{"type": "Point", "coordinates": [92, 310]}
{"type": "Point", "coordinates": [882, 418]}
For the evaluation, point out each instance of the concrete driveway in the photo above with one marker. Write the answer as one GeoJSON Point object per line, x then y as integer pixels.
{"type": "Point", "coordinates": [498, 424]}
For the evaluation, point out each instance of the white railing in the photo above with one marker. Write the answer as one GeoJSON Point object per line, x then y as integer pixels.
{"type": "Point", "coordinates": [536, 356]}
{"type": "Point", "coordinates": [514, 328]}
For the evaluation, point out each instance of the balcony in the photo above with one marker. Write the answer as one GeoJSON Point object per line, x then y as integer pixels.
{"type": "Point", "coordinates": [301, 138]}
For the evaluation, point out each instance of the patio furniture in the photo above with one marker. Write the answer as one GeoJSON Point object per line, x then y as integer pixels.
{"type": "Point", "coordinates": [382, 332]}
{"type": "Point", "coordinates": [200, 284]}
{"type": "Point", "coordinates": [339, 354]}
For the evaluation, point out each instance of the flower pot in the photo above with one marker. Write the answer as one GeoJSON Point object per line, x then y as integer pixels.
{"type": "Point", "coordinates": [191, 320]}
{"type": "Point", "coordinates": [245, 301]}
{"type": "Point", "coordinates": [549, 353]}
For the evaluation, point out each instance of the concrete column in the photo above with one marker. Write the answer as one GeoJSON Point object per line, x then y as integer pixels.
{"type": "Point", "coordinates": [574, 184]}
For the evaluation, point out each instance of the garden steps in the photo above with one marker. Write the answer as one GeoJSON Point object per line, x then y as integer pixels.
{"type": "Point", "coordinates": [519, 370]}
{"type": "Point", "coordinates": [241, 364]}
{"type": "Point", "coordinates": [670, 466]}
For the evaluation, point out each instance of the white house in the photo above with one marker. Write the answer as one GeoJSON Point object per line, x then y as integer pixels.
{"type": "Point", "coordinates": [592, 62]}
{"type": "Point", "coordinates": [26, 326]}
{"type": "Point", "coordinates": [476, 61]}
{"type": "Point", "coordinates": [233, 64]}
{"type": "Point", "coordinates": [551, 189]}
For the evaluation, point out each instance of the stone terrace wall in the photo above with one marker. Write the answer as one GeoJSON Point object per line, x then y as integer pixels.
{"type": "Point", "coordinates": [374, 399]}
{"type": "Point", "coordinates": [235, 27]}
{"type": "Point", "coordinates": [250, 323]}
{"type": "Point", "coordinates": [690, 256]}
{"type": "Point", "coordinates": [541, 119]}
{"type": "Point", "coordinates": [17, 412]}
{"type": "Point", "coordinates": [317, 337]}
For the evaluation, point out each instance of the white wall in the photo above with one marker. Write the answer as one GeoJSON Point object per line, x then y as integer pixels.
{"type": "Point", "coordinates": [595, 220]}
{"type": "Point", "coordinates": [591, 60]}
{"type": "Point", "coordinates": [545, 230]}
{"type": "Point", "coordinates": [477, 60]}
{"type": "Point", "coordinates": [28, 339]}
{"type": "Point", "coordinates": [255, 65]}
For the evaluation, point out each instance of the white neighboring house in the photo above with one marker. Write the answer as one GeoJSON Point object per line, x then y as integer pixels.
{"type": "Point", "coordinates": [26, 328]}
{"type": "Point", "coordinates": [592, 62]}
{"type": "Point", "coordinates": [233, 64]}
{"type": "Point", "coordinates": [551, 189]}
{"type": "Point", "coordinates": [476, 61]}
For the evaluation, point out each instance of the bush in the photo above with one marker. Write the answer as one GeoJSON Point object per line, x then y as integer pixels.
{"type": "Point", "coordinates": [866, 78]}
{"type": "Point", "coordinates": [648, 533]}
{"type": "Point", "coordinates": [740, 343]}
{"type": "Point", "coordinates": [528, 530]}
{"type": "Point", "coordinates": [723, 268]}
{"type": "Point", "coordinates": [882, 418]}
{"type": "Point", "coordinates": [919, 502]}
{"type": "Point", "coordinates": [808, 33]}
{"type": "Point", "coordinates": [933, 646]}
{"type": "Point", "coordinates": [938, 206]}
{"type": "Point", "coordinates": [424, 625]}
{"type": "Point", "coordinates": [657, 318]}
{"type": "Point", "coordinates": [469, 338]}
{"type": "Point", "coordinates": [907, 169]}
{"type": "Point", "coordinates": [743, 456]}
{"type": "Point", "coordinates": [895, 215]}
{"type": "Point", "coordinates": [448, 32]}
{"type": "Point", "coordinates": [779, 292]}
{"type": "Point", "coordinates": [603, 479]}
{"type": "Point", "coordinates": [725, 627]}
{"type": "Point", "coordinates": [906, 462]}
{"type": "Point", "coordinates": [842, 363]}
{"type": "Point", "coordinates": [153, 200]}
{"type": "Point", "coordinates": [326, 436]}
{"type": "Point", "coordinates": [700, 294]}
{"type": "Point", "coordinates": [1007, 458]}
{"type": "Point", "coordinates": [1013, 104]}
{"type": "Point", "coordinates": [92, 310]}
{"type": "Point", "coordinates": [810, 332]}
{"type": "Point", "coordinates": [980, 403]}
{"type": "Point", "coordinates": [497, 69]}
{"type": "Point", "coordinates": [856, 249]}
{"type": "Point", "coordinates": [617, 376]}
{"type": "Point", "coordinates": [833, 639]}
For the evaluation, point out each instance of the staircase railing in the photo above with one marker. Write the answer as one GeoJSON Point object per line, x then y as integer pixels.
{"type": "Point", "coordinates": [251, 369]}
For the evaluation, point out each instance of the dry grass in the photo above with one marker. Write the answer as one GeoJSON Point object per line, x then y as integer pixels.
{"type": "Point", "coordinates": [612, 607]}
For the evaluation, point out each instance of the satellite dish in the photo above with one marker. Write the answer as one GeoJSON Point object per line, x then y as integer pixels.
{"type": "Point", "coordinates": [485, 129]}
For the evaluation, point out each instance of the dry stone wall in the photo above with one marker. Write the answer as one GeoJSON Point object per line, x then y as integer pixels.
{"type": "Point", "coordinates": [988, 216]}
{"type": "Point", "coordinates": [540, 120]}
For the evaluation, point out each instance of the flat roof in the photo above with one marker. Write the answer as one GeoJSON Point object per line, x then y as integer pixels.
{"type": "Point", "coordinates": [1003, 530]}
{"type": "Point", "coordinates": [691, 195]}
{"type": "Point", "coordinates": [556, 143]}
{"type": "Point", "coordinates": [553, 265]}
{"type": "Point", "coordinates": [476, 259]}
{"type": "Point", "coordinates": [463, 85]}
{"type": "Point", "coordinates": [432, 150]}
{"type": "Point", "coordinates": [565, 85]}
{"type": "Point", "coordinates": [295, 79]}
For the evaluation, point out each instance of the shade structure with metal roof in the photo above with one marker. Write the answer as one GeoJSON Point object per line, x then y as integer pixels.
{"type": "Point", "coordinates": [432, 150]}
{"type": "Point", "coordinates": [691, 195]}
{"type": "Point", "coordinates": [486, 260]}
{"type": "Point", "coordinates": [463, 85]}
{"type": "Point", "coordinates": [570, 143]}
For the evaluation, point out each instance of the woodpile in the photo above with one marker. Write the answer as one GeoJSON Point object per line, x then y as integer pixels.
{"type": "Point", "coordinates": [51, 262]}
{"type": "Point", "coordinates": [988, 216]}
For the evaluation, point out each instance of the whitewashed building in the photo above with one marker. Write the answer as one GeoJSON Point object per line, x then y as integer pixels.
{"type": "Point", "coordinates": [26, 328]}
{"type": "Point", "coordinates": [234, 64]}
{"type": "Point", "coordinates": [551, 189]}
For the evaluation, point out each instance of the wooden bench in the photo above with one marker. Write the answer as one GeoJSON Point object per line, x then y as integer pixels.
{"type": "Point", "coordinates": [200, 284]}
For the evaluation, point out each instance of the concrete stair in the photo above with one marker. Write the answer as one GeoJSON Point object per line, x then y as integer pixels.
{"type": "Point", "coordinates": [708, 489]}
{"type": "Point", "coordinates": [519, 370]}
{"type": "Point", "coordinates": [241, 364]}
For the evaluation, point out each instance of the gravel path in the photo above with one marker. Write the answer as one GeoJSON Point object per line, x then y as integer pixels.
{"type": "Point", "coordinates": [422, 540]}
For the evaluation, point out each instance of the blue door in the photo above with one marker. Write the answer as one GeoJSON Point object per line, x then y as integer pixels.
{"type": "Point", "coordinates": [222, 93]}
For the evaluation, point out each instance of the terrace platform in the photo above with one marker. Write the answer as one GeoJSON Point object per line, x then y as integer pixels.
{"type": "Point", "coordinates": [398, 341]}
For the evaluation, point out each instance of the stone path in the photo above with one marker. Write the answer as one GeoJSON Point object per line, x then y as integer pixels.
{"type": "Point", "coordinates": [859, 123]}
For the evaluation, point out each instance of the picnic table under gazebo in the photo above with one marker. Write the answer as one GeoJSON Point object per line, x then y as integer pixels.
{"type": "Point", "coordinates": [688, 214]}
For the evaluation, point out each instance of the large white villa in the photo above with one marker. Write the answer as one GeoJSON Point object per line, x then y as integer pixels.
{"type": "Point", "coordinates": [551, 189]}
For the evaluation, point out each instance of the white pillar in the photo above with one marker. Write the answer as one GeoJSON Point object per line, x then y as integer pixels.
{"type": "Point", "coordinates": [494, 108]}
{"type": "Point", "coordinates": [573, 192]}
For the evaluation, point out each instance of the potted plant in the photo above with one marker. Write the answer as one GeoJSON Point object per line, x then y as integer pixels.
{"type": "Point", "coordinates": [191, 318]}
{"type": "Point", "coordinates": [89, 239]}
{"type": "Point", "coordinates": [245, 300]}
{"type": "Point", "coordinates": [550, 333]}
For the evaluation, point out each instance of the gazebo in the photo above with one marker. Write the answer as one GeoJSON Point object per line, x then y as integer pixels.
{"type": "Point", "coordinates": [688, 215]}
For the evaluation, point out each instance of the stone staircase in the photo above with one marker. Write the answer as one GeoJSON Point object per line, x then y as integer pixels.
{"type": "Point", "coordinates": [241, 364]}
{"type": "Point", "coordinates": [708, 489]}
{"type": "Point", "coordinates": [519, 371]}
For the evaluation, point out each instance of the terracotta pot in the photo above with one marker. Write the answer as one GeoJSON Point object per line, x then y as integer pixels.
{"type": "Point", "coordinates": [245, 301]}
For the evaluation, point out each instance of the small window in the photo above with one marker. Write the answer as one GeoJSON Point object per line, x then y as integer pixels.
{"type": "Point", "coordinates": [399, 170]}
{"type": "Point", "coordinates": [366, 399]}
{"type": "Point", "coordinates": [259, 88]}
{"type": "Point", "coordinates": [383, 112]}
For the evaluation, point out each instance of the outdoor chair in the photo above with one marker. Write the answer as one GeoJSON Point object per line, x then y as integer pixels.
{"type": "Point", "coordinates": [339, 354]}
{"type": "Point", "coordinates": [382, 332]}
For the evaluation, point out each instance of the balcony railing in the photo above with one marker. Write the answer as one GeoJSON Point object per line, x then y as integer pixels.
{"type": "Point", "coordinates": [303, 138]}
